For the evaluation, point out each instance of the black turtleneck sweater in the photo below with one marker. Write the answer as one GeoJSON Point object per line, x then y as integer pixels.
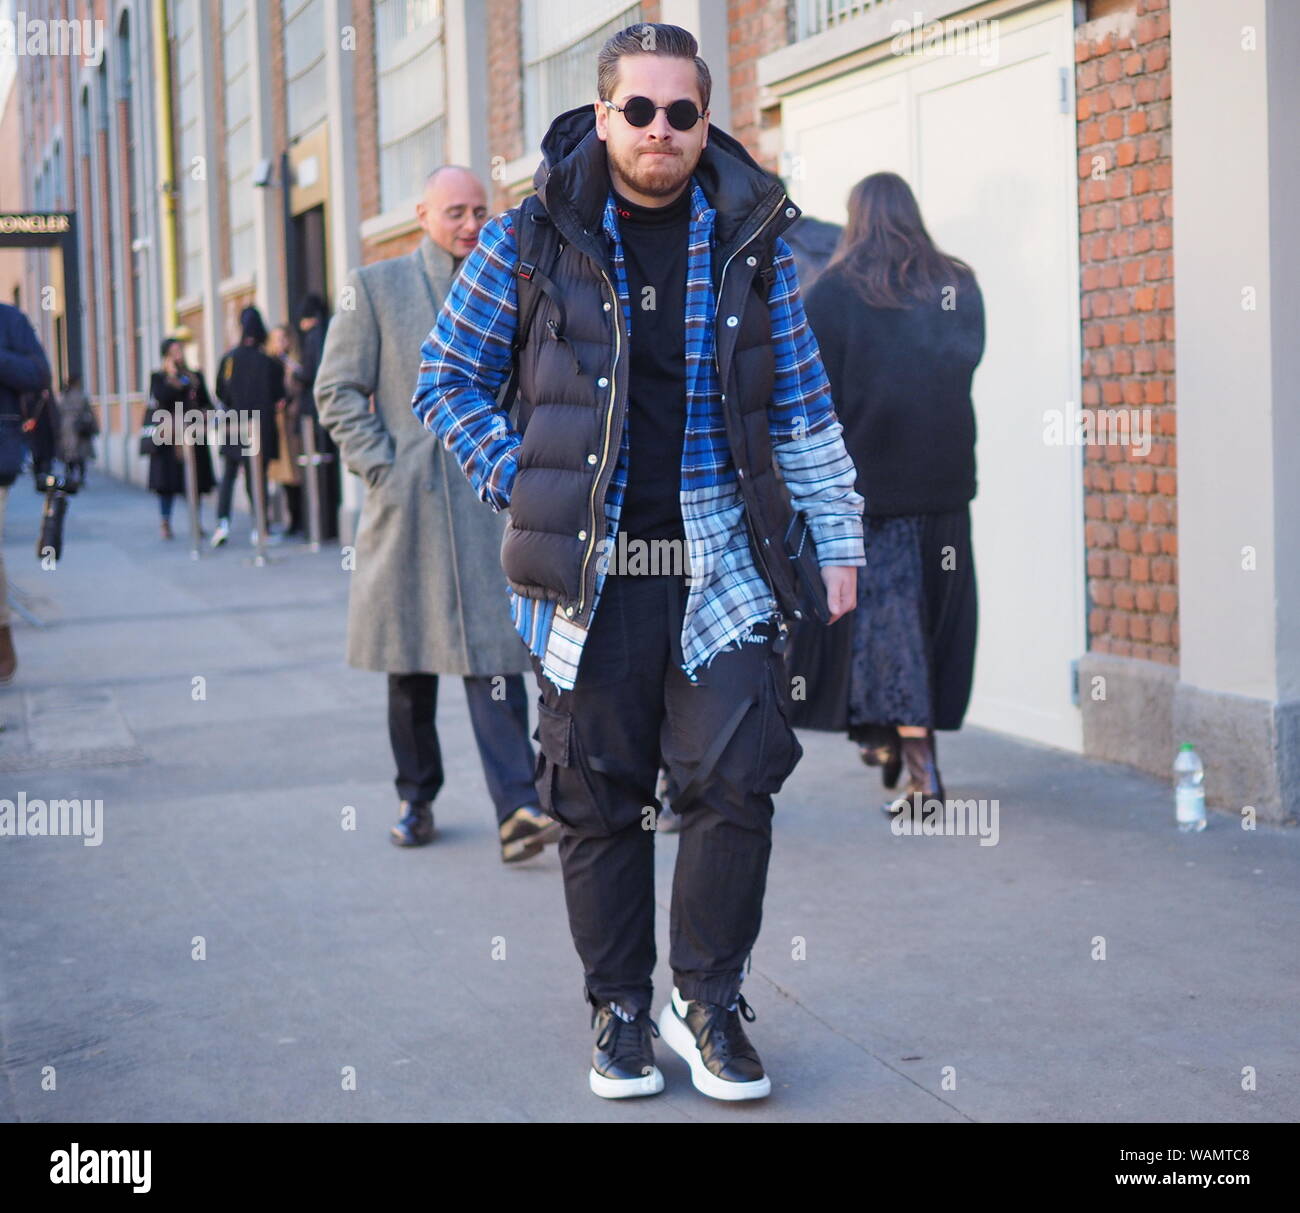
{"type": "Point", "coordinates": [654, 251]}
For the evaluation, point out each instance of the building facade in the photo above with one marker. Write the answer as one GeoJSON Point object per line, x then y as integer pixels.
{"type": "Point", "coordinates": [1138, 582]}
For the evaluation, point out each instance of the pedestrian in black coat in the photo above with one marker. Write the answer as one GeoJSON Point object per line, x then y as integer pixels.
{"type": "Point", "coordinates": [900, 325]}
{"type": "Point", "coordinates": [24, 369]}
{"type": "Point", "coordinates": [176, 384]}
{"type": "Point", "coordinates": [250, 384]}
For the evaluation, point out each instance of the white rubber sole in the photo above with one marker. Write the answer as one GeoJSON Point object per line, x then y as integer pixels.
{"type": "Point", "coordinates": [626, 1088]}
{"type": "Point", "coordinates": [677, 1036]}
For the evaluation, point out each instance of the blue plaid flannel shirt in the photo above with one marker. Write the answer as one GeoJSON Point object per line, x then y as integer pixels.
{"type": "Point", "coordinates": [465, 360]}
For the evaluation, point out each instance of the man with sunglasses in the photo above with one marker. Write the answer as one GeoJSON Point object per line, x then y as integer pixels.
{"type": "Point", "coordinates": [666, 373]}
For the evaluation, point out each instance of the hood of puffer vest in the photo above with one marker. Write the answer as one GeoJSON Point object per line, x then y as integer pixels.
{"type": "Point", "coordinates": [572, 180]}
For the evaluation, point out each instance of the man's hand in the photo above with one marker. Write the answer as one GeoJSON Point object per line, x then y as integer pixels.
{"type": "Point", "coordinates": [841, 589]}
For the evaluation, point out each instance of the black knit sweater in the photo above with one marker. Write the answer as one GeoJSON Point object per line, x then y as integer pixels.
{"type": "Point", "coordinates": [901, 382]}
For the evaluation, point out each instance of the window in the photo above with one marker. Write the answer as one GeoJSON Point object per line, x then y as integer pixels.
{"type": "Point", "coordinates": [304, 64]}
{"type": "Point", "coordinates": [814, 16]}
{"type": "Point", "coordinates": [238, 94]}
{"type": "Point", "coordinates": [561, 39]}
{"type": "Point", "coordinates": [410, 57]}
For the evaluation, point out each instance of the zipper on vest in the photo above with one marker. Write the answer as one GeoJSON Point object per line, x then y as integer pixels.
{"type": "Point", "coordinates": [616, 314]}
{"type": "Point", "coordinates": [722, 278]}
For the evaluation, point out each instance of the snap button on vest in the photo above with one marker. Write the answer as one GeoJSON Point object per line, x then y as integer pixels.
{"type": "Point", "coordinates": [582, 534]}
{"type": "Point", "coordinates": [591, 458]}
{"type": "Point", "coordinates": [602, 382]}
{"type": "Point", "coordinates": [605, 305]}
{"type": "Point", "coordinates": [751, 260]}
{"type": "Point", "coordinates": [732, 321]}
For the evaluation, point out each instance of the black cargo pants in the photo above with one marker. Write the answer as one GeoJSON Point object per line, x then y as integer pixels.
{"type": "Point", "coordinates": [726, 739]}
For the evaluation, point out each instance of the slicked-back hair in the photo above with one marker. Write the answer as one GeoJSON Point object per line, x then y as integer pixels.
{"type": "Point", "coordinates": [650, 38]}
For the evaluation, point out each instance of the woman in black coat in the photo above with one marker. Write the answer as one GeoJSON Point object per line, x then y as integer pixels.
{"type": "Point", "coordinates": [901, 329]}
{"type": "Point", "coordinates": [176, 384]}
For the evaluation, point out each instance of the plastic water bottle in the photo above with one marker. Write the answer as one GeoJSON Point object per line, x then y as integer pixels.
{"type": "Point", "coordinates": [1189, 789]}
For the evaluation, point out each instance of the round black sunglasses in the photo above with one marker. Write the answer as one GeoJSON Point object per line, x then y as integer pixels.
{"type": "Point", "coordinates": [640, 111]}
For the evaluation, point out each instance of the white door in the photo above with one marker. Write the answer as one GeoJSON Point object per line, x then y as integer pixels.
{"type": "Point", "coordinates": [989, 149]}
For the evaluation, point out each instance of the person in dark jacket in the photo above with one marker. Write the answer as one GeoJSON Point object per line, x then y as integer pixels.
{"type": "Point", "coordinates": [250, 385]}
{"type": "Point", "coordinates": [177, 385]}
{"type": "Point", "coordinates": [655, 411]}
{"type": "Point", "coordinates": [23, 368]}
{"type": "Point", "coordinates": [901, 329]}
{"type": "Point", "coordinates": [78, 427]}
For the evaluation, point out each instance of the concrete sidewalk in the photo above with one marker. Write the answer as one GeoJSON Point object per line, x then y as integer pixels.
{"type": "Point", "coordinates": [449, 983]}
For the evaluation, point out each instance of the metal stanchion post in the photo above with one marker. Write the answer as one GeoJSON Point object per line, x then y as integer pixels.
{"type": "Point", "coordinates": [191, 463]}
{"type": "Point", "coordinates": [254, 468]}
{"type": "Point", "coordinates": [309, 461]}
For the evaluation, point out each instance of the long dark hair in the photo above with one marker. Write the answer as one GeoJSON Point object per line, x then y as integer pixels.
{"type": "Point", "coordinates": [885, 252]}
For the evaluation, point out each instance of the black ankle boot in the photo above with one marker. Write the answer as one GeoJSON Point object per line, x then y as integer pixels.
{"type": "Point", "coordinates": [923, 782]}
{"type": "Point", "coordinates": [416, 826]}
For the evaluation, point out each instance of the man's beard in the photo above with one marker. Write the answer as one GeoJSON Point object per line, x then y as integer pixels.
{"type": "Point", "coordinates": [655, 175]}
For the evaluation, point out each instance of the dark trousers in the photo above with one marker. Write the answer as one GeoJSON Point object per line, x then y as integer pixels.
{"type": "Point", "coordinates": [293, 498]}
{"type": "Point", "coordinates": [498, 712]}
{"type": "Point", "coordinates": [726, 740]}
{"type": "Point", "coordinates": [226, 490]}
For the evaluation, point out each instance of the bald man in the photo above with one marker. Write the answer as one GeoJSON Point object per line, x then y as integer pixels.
{"type": "Point", "coordinates": [428, 596]}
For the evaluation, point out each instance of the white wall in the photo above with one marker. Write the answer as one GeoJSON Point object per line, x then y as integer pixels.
{"type": "Point", "coordinates": [1228, 396]}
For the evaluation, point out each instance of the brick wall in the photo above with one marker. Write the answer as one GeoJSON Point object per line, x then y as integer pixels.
{"type": "Point", "coordinates": [279, 142]}
{"type": "Point", "coordinates": [279, 97]}
{"type": "Point", "coordinates": [1127, 297]}
{"type": "Point", "coordinates": [219, 188]}
{"type": "Point", "coordinates": [104, 222]}
{"type": "Point", "coordinates": [755, 28]}
{"type": "Point", "coordinates": [505, 122]}
{"type": "Point", "coordinates": [90, 327]}
{"type": "Point", "coordinates": [121, 120]}
{"type": "Point", "coordinates": [367, 109]}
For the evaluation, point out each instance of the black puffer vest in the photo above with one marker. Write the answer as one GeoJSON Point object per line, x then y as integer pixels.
{"type": "Point", "coordinates": [574, 368]}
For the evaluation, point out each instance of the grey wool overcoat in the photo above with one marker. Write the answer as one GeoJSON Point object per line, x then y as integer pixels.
{"type": "Point", "coordinates": [427, 594]}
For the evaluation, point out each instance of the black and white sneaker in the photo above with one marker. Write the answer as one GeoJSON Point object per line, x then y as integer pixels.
{"type": "Point", "coordinates": [712, 1041]}
{"type": "Point", "coordinates": [623, 1060]}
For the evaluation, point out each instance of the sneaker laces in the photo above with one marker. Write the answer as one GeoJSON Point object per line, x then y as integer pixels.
{"type": "Point", "coordinates": [611, 1034]}
{"type": "Point", "coordinates": [731, 1041]}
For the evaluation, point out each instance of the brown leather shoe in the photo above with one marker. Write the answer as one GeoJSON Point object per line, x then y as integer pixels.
{"type": "Point", "coordinates": [525, 832]}
{"type": "Point", "coordinates": [166, 529]}
{"type": "Point", "coordinates": [8, 658]}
